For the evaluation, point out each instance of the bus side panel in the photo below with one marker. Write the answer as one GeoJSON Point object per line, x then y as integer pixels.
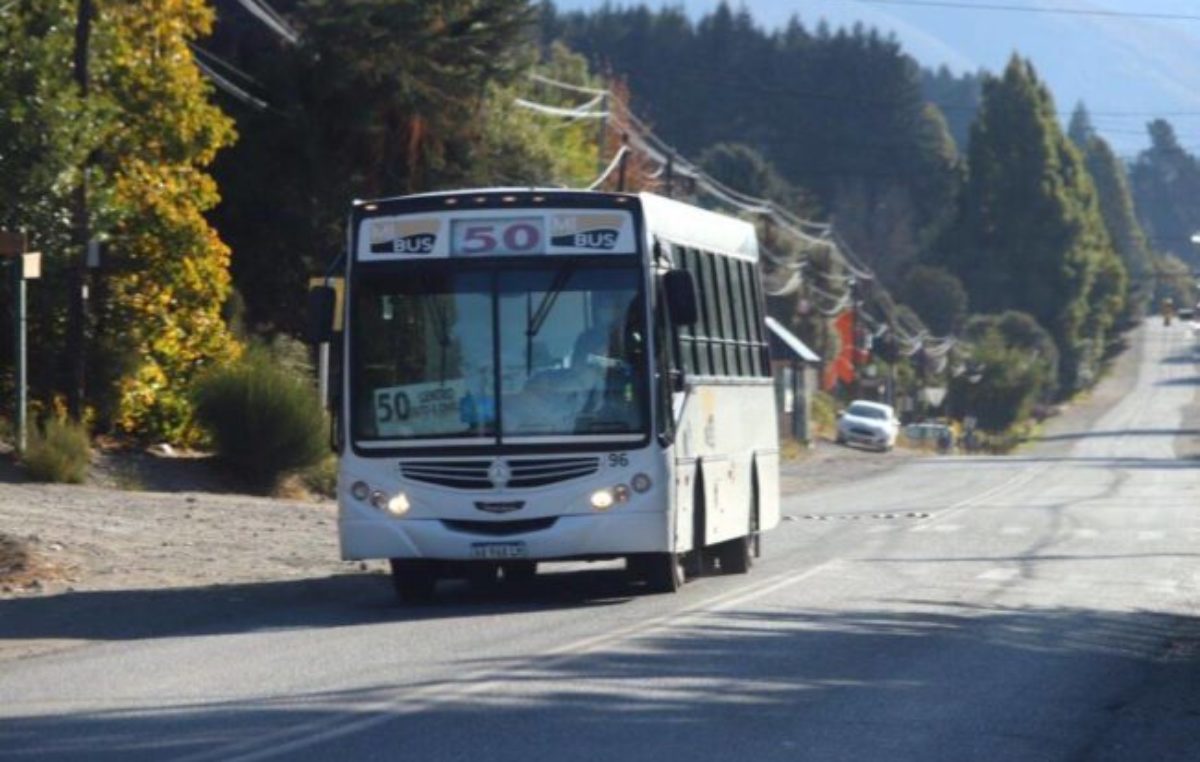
{"type": "Point", "coordinates": [685, 471]}
{"type": "Point", "coordinates": [767, 464]}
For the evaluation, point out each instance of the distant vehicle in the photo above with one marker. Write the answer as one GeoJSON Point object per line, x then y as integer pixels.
{"type": "Point", "coordinates": [1186, 314]}
{"type": "Point", "coordinates": [871, 424]}
{"type": "Point", "coordinates": [929, 436]}
{"type": "Point", "coordinates": [541, 375]}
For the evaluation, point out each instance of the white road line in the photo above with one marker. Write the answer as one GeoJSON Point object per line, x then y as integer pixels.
{"type": "Point", "coordinates": [939, 528]}
{"type": "Point", "coordinates": [411, 701]}
{"type": "Point", "coordinates": [1150, 535]}
{"type": "Point", "coordinates": [1014, 530]}
{"type": "Point", "coordinates": [1086, 534]}
{"type": "Point", "coordinates": [999, 575]}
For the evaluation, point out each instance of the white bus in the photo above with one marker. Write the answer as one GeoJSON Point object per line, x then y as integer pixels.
{"type": "Point", "coordinates": [546, 375]}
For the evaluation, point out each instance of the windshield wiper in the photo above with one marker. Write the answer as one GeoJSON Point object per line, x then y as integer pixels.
{"type": "Point", "coordinates": [535, 321]}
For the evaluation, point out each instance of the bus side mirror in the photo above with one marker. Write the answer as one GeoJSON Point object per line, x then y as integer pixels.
{"type": "Point", "coordinates": [318, 327]}
{"type": "Point", "coordinates": [682, 303]}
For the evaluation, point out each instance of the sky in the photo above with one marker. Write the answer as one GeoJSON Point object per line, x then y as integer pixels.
{"type": "Point", "coordinates": [1127, 70]}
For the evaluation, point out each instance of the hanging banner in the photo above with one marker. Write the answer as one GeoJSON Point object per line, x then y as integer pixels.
{"type": "Point", "coordinates": [841, 367]}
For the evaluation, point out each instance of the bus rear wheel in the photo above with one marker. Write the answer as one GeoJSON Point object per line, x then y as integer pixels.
{"type": "Point", "coordinates": [736, 556]}
{"type": "Point", "coordinates": [415, 580]}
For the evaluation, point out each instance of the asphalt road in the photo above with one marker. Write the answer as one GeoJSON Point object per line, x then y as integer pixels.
{"type": "Point", "coordinates": [1035, 607]}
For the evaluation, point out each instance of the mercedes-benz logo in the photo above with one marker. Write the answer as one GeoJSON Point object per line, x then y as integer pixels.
{"type": "Point", "coordinates": [499, 474]}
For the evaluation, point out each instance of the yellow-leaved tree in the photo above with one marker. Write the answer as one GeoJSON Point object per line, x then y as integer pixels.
{"type": "Point", "coordinates": [166, 276]}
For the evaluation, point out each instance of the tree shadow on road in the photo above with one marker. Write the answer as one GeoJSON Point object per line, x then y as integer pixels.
{"type": "Point", "coordinates": [896, 680]}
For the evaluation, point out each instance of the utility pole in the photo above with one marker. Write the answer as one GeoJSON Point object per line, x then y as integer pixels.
{"type": "Point", "coordinates": [24, 265]}
{"type": "Point", "coordinates": [77, 298]}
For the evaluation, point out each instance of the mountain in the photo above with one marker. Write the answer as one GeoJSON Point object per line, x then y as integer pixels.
{"type": "Point", "coordinates": [1128, 70]}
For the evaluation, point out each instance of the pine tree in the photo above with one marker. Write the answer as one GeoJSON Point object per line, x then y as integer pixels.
{"type": "Point", "coordinates": [1029, 234]}
{"type": "Point", "coordinates": [1116, 208]}
{"type": "Point", "coordinates": [1166, 187]}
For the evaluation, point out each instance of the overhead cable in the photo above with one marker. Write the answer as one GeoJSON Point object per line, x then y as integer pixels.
{"type": "Point", "coordinates": [276, 23]}
{"type": "Point", "coordinates": [612, 166]}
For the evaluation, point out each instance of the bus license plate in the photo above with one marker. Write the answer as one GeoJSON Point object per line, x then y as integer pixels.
{"type": "Point", "coordinates": [498, 550]}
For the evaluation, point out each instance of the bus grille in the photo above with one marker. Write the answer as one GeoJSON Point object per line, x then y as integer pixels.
{"type": "Point", "coordinates": [522, 474]}
{"type": "Point", "coordinates": [499, 528]}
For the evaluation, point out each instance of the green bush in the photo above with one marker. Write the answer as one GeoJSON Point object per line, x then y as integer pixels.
{"type": "Point", "coordinates": [824, 414]}
{"type": "Point", "coordinates": [58, 452]}
{"type": "Point", "coordinates": [264, 419]}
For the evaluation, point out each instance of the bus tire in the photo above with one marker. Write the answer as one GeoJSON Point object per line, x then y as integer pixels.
{"type": "Point", "coordinates": [415, 580]}
{"type": "Point", "coordinates": [663, 572]}
{"type": "Point", "coordinates": [736, 556]}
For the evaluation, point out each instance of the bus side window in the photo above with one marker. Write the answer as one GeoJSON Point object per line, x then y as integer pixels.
{"type": "Point", "coordinates": [737, 306]}
{"type": "Point", "coordinates": [762, 363]}
{"type": "Point", "coordinates": [705, 360]}
{"type": "Point", "coordinates": [688, 349]}
{"type": "Point", "coordinates": [712, 313]}
{"type": "Point", "coordinates": [749, 315]}
{"type": "Point", "coordinates": [725, 306]}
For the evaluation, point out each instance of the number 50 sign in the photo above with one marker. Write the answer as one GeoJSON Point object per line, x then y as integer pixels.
{"type": "Point", "coordinates": [496, 236]}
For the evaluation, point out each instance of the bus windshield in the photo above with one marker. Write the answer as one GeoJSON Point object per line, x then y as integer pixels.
{"type": "Point", "coordinates": [499, 353]}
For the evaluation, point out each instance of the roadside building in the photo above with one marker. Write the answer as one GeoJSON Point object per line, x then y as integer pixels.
{"type": "Point", "coordinates": [796, 370]}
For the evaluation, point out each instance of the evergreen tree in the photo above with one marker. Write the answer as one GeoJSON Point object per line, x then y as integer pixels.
{"type": "Point", "coordinates": [937, 297]}
{"type": "Point", "coordinates": [746, 170]}
{"type": "Point", "coordinates": [1166, 188]}
{"type": "Point", "coordinates": [838, 113]}
{"type": "Point", "coordinates": [1029, 234]}
{"type": "Point", "coordinates": [46, 133]}
{"type": "Point", "coordinates": [1116, 208]}
{"type": "Point", "coordinates": [381, 98]}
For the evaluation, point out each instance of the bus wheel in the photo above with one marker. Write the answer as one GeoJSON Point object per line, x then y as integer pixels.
{"type": "Point", "coordinates": [415, 580]}
{"type": "Point", "coordinates": [663, 572]}
{"type": "Point", "coordinates": [520, 573]}
{"type": "Point", "coordinates": [736, 556]}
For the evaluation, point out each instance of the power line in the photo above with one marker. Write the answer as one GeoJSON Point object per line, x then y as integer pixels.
{"type": "Point", "coordinates": [1058, 10]}
{"type": "Point", "coordinates": [229, 87]}
{"type": "Point", "coordinates": [276, 23]}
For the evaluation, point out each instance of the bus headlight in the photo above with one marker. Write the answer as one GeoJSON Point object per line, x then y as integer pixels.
{"type": "Point", "coordinates": [379, 501]}
{"type": "Point", "coordinates": [360, 491]}
{"type": "Point", "coordinates": [603, 499]}
{"type": "Point", "coordinates": [398, 505]}
{"type": "Point", "coordinates": [641, 483]}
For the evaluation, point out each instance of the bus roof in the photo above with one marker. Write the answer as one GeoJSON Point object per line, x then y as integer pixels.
{"type": "Point", "coordinates": [687, 225]}
{"type": "Point", "coordinates": [673, 221]}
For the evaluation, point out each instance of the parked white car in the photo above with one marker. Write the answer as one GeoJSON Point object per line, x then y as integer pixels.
{"type": "Point", "coordinates": [871, 424]}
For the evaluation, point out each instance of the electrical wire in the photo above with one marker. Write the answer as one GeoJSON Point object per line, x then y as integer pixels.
{"type": "Point", "coordinates": [612, 166]}
{"type": "Point", "coordinates": [277, 24]}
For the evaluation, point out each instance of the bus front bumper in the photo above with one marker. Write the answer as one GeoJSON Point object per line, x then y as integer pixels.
{"type": "Point", "coordinates": [366, 535]}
